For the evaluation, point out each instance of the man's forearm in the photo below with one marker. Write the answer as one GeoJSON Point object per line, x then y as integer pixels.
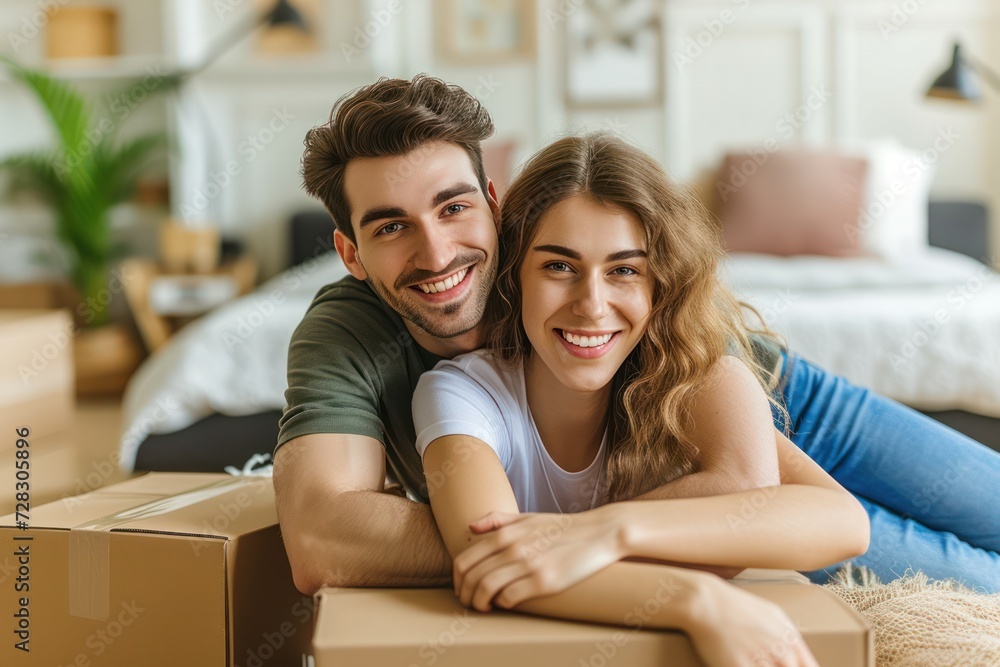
{"type": "Point", "coordinates": [698, 485]}
{"type": "Point", "coordinates": [380, 539]}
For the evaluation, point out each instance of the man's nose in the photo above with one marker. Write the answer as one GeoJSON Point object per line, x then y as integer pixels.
{"type": "Point", "coordinates": [435, 250]}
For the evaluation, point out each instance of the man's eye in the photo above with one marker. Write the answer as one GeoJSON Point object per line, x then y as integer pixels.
{"type": "Point", "coordinates": [390, 228]}
{"type": "Point", "coordinates": [455, 208]}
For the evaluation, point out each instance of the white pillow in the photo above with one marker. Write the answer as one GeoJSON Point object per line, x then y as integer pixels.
{"type": "Point", "coordinates": [893, 218]}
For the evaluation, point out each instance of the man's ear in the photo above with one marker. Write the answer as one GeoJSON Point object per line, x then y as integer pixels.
{"type": "Point", "coordinates": [493, 201]}
{"type": "Point", "coordinates": [349, 254]}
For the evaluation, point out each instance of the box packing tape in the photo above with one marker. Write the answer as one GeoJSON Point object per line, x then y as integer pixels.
{"type": "Point", "coordinates": [89, 542]}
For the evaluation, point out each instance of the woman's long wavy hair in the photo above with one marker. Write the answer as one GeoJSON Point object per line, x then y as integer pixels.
{"type": "Point", "coordinates": [694, 320]}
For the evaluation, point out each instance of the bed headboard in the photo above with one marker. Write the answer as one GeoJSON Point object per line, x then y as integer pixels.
{"type": "Point", "coordinates": [311, 235]}
{"type": "Point", "coordinates": [962, 226]}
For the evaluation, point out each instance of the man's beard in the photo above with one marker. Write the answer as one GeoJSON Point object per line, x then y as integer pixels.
{"type": "Point", "coordinates": [442, 323]}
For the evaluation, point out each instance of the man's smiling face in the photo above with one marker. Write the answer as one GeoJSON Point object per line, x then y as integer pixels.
{"type": "Point", "coordinates": [426, 236]}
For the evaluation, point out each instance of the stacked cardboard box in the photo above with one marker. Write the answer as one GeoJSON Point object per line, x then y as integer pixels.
{"type": "Point", "coordinates": [37, 401]}
{"type": "Point", "coordinates": [165, 569]}
{"type": "Point", "coordinates": [358, 627]}
{"type": "Point", "coordinates": [36, 372]}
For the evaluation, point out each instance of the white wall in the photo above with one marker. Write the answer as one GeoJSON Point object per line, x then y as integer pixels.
{"type": "Point", "coordinates": [755, 69]}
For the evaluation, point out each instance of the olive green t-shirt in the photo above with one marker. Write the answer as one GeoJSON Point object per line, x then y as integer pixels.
{"type": "Point", "coordinates": [352, 369]}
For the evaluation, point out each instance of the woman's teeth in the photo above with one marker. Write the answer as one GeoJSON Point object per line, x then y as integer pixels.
{"type": "Point", "coordinates": [586, 341]}
{"type": "Point", "coordinates": [446, 284]}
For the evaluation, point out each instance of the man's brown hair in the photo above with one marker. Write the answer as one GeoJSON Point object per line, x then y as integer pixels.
{"type": "Point", "coordinates": [387, 118]}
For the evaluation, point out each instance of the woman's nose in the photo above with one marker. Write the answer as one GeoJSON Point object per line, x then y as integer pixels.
{"type": "Point", "coordinates": [591, 300]}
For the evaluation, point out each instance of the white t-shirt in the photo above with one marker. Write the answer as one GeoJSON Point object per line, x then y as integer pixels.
{"type": "Point", "coordinates": [468, 395]}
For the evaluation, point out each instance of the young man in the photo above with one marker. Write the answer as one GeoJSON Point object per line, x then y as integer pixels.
{"type": "Point", "coordinates": [400, 169]}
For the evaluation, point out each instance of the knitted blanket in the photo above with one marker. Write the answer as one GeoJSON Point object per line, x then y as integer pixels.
{"type": "Point", "coordinates": [922, 623]}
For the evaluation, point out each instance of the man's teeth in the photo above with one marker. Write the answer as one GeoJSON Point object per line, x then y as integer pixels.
{"type": "Point", "coordinates": [446, 284]}
{"type": "Point", "coordinates": [587, 341]}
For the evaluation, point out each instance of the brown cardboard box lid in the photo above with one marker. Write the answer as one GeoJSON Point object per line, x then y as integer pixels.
{"type": "Point", "coordinates": [356, 626]}
{"type": "Point", "coordinates": [174, 503]}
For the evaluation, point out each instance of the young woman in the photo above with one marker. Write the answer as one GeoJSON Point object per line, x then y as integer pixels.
{"type": "Point", "coordinates": [618, 364]}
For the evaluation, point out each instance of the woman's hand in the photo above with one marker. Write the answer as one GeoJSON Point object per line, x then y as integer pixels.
{"type": "Point", "coordinates": [531, 555]}
{"type": "Point", "coordinates": [731, 627]}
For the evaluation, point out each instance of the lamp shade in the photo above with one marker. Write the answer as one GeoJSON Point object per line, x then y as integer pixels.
{"type": "Point", "coordinates": [958, 82]}
{"type": "Point", "coordinates": [284, 14]}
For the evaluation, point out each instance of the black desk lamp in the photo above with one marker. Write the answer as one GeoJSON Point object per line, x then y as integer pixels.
{"type": "Point", "coordinates": [282, 15]}
{"type": "Point", "coordinates": [961, 80]}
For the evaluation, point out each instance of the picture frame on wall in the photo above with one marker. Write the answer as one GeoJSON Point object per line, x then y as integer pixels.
{"type": "Point", "coordinates": [613, 54]}
{"type": "Point", "coordinates": [484, 31]}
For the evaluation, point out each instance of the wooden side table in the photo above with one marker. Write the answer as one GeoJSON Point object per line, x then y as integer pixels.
{"type": "Point", "coordinates": [155, 325]}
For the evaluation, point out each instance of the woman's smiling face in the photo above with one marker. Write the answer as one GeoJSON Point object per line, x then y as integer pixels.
{"type": "Point", "coordinates": [586, 292]}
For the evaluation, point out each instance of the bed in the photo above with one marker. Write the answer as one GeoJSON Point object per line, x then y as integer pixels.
{"type": "Point", "coordinates": [924, 330]}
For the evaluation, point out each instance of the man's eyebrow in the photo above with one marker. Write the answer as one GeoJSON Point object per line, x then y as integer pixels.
{"type": "Point", "coordinates": [383, 212]}
{"type": "Point", "coordinates": [380, 213]}
{"type": "Point", "coordinates": [573, 254]}
{"type": "Point", "coordinates": [453, 191]}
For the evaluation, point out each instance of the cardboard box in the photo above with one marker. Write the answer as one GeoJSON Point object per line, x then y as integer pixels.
{"type": "Point", "coordinates": [36, 373]}
{"type": "Point", "coordinates": [358, 627]}
{"type": "Point", "coordinates": [164, 569]}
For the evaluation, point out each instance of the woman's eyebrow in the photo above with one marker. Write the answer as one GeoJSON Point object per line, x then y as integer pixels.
{"type": "Point", "coordinates": [573, 254]}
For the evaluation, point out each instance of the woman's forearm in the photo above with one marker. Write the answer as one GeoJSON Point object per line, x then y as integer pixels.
{"type": "Point", "coordinates": [633, 595]}
{"type": "Point", "coordinates": [792, 526]}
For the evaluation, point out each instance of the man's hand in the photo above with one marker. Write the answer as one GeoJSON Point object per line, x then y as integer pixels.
{"type": "Point", "coordinates": [531, 555]}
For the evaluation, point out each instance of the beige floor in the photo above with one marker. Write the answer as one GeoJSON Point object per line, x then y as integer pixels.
{"type": "Point", "coordinates": [78, 460]}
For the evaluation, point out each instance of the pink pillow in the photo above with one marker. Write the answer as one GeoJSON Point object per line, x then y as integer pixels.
{"type": "Point", "coordinates": [794, 202]}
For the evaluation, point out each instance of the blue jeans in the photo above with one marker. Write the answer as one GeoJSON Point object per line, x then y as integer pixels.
{"type": "Point", "coordinates": [932, 494]}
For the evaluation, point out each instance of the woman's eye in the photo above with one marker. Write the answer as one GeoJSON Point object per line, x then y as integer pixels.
{"type": "Point", "coordinates": [390, 228]}
{"type": "Point", "coordinates": [455, 208]}
{"type": "Point", "coordinates": [629, 271]}
{"type": "Point", "coordinates": [558, 266]}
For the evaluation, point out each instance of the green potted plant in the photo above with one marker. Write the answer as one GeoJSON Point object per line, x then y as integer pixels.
{"type": "Point", "coordinates": [87, 173]}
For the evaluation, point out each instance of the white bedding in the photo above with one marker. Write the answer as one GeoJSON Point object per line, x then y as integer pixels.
{"type": "Point", "coordinates": [924, 331]}
{"type": "Point", "coordinates": [231, 361]}
{"type": "Point", "coordinates": [862, 318]}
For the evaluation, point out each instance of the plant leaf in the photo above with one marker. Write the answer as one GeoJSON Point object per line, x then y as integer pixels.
{"type": "Point", "coordinates": [35, 171]}
{"type": "Point", "coordinates": [117, 170]}
{"type": "Point", "coordinates": [66, 107]}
